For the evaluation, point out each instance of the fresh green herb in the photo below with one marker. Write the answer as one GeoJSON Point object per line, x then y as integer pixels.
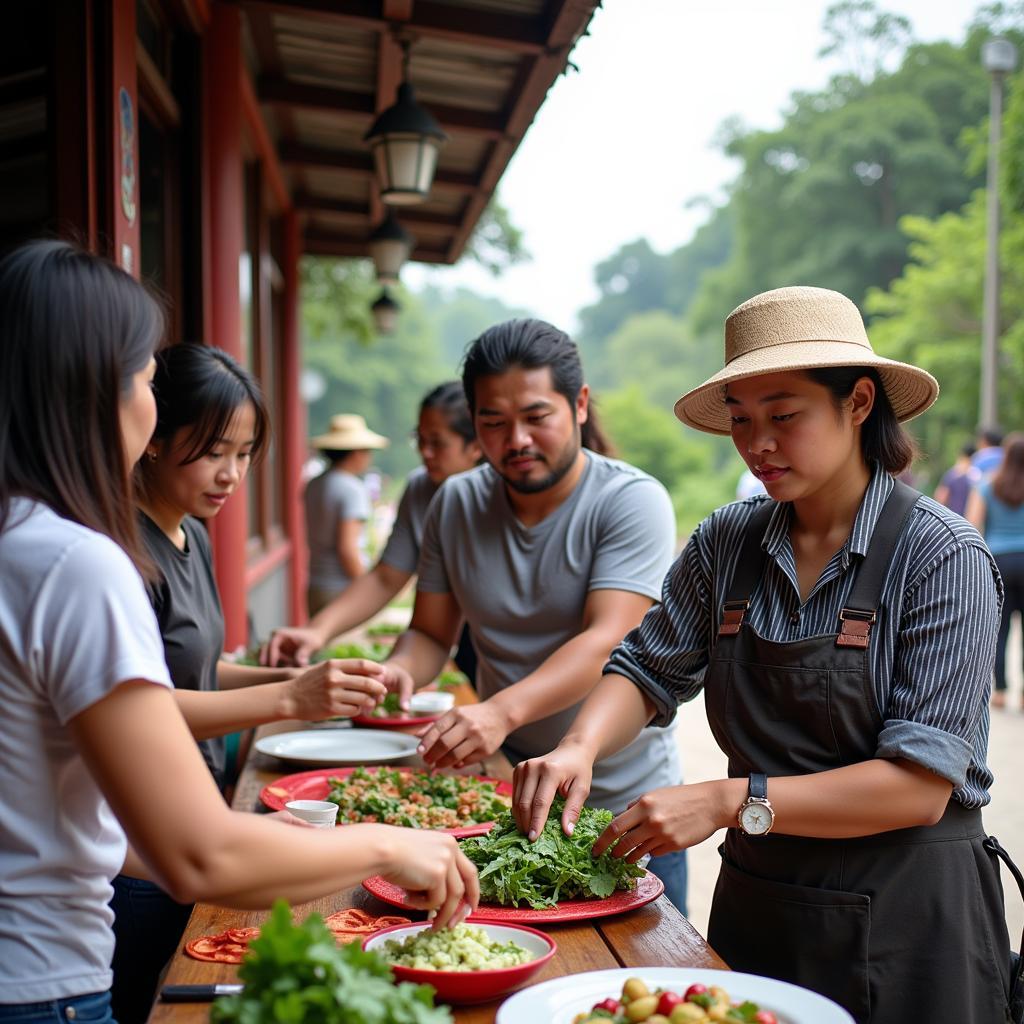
{"type": "Point", "coordinates": [388, 707]}
{"type": "Point", "coordinates": [703, 999]}
{"type": "Point", "coordinates": [385, 629]}
{"type": "Point", "coordinates": [297, 974]}
{"type": "Point", "coordinates": [745, 1012]}
{"type": "Point", "coordinates": [375, 652]}
{"type": "Point", "coordinates": [449, 680]}
{"type": "Point", "coordinates": [554, 867]}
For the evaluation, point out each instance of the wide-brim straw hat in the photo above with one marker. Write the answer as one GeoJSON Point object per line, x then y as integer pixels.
{"type": "Point", "coordinates": [349, 433]}
{"type": "Point", "coordinates": [800, 329]}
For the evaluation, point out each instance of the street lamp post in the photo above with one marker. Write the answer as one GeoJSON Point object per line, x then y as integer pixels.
{"type": "Point", "coordinates": [999, 57]}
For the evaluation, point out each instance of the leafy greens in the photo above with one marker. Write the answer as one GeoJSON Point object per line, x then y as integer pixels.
{"type": "Point", "coordinates": [554, 867]}
{"type": "Point", "coordinates": [298, 974]}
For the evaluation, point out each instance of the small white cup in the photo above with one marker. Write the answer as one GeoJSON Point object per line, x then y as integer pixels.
{"type": "Point", "coordinates": [320, 813]}
{"type": "Point", "coordinates": [431, 702]}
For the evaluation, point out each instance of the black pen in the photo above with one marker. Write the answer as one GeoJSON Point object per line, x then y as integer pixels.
{"type": "Point", "coordinates": [197, 993]}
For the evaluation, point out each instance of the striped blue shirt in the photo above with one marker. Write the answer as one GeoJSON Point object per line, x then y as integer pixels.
{"type": "Point", "coordinates": [932, 648]}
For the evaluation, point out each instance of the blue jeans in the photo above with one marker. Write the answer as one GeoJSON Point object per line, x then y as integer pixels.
{"type": "Point", "coordinates": [90, 1009]}
{"type": "Point", "coordinates": [148, 926]}
{"type": "Point", "coordinates": [671, 869]}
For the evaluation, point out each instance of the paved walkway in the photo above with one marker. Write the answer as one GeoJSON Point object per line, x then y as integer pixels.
{"type": "Point", "coordinates": [1004, 817]}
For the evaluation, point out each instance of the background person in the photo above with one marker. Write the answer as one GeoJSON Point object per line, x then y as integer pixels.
{"type": "Point", "coordinates": [551, 553]}
{"type": "Point", "coordinates": [847, 684]}
{"type": "Point", "coordinates": [95, 746]}
{"type": "Point", "coordinates": [212, 424]}
{"type": "Point", "coordinates": [996, 508]}
{"type": "Point", "coordinates": [989, 451]}
{"type": "Point", "coordinates": [447, 444]}
{"type": "Point", "coordinates": [956, 483]}
{"type": "Point", "coordinates": [338, 507]}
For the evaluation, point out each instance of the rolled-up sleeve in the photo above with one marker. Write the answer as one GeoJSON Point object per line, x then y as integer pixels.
{"type": "Point", "coordinates": [943, 663]}
{"type": "Point", "coordinates": [666, 655]}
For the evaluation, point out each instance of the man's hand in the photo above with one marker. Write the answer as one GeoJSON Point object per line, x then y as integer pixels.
{"type": "Point", "coordinates": [292, 645]}
{"type": "Point", "coordinates": [567, 771]}
{"type": "Point", "coordinates": [436, 874]}
{"type": "Point", "coordinates": [662, 821]}
{"type": "Point", "coordinates": [333, 689]}
{"type": "Point", "coordinates": [464, 735]}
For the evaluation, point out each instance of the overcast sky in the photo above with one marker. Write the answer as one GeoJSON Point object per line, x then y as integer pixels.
{"type": "Point", "coordinates": [618, 150]}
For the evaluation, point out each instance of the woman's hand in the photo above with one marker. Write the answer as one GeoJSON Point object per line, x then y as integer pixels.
{"type": "Point", "coordinates": [397, 680]}
{"type": "Point", "coordinates": [436, 874]}
{"type": "Point", "coordinates": [292, 645]}
{"type": "Point", "coordinates": [665, 820]}
{"type": "Point", "coordinates": [336, 689]}
{"type": "Point", "coordinates": [568, 771]}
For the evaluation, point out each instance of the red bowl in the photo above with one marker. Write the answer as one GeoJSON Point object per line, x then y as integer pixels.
{"type": "Point", "coordinates": [472, 986]}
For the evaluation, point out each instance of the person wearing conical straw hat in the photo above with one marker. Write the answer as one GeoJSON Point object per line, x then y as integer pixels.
{"type": "Point", "coordinates": [842, 628]}
{"type": "Point", "coordinates": [337, 508]}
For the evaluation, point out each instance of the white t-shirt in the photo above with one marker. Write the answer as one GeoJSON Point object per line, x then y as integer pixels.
{"type": "Point", "coordinates": [74, 623]}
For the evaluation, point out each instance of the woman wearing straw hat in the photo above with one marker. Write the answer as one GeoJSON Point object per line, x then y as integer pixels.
{"type": "Point", "coordinates": [843, 631]}
{"type": "Point", "coordinates": [337, 507]}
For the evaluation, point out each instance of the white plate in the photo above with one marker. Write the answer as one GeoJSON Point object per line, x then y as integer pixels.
{"type": "Point", "coordinates": [559, 1000]}
{"type": "Point", "coordinates": [336, 747]}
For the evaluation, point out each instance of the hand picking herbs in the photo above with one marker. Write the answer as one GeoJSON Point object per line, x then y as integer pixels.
{"type": "Point", "coordinates": [554, 867]}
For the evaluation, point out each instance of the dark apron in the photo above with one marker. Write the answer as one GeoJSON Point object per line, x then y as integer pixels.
{"type": "Point", "coordinates": [899, 926]}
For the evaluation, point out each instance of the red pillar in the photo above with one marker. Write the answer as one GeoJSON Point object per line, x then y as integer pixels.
{"type": "Point", "coordinates": [294, 421]}
{"type": "Point", "coordinates": [225, 236]}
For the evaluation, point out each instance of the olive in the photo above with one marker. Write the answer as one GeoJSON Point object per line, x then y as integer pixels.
{"type": "Point", "coordinates": [634, 989]}
{"type": "Point", "coordinates": [641, 1008]}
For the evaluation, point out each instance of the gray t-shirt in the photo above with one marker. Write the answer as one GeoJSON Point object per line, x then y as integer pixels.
{"type": "Point", "coordinates": [402, 551]}
{"type": "Point", "coordinates": [189, 615]}
{"type": "Point", "coordinates": [522, 591]}
{"type": "Point", "coordinates": [74, 624]}
{"type": "Point", "coordinates": [331, 497]}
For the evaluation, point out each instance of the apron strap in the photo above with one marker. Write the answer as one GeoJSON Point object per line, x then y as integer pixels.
{"type": "Point", "coordinates": [747, 572]}
{"type": "Point", "coordinates": [861, 608]}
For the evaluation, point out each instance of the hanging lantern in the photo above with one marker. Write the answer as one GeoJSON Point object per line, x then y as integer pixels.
{"type": "Point", "coordinates": [385, 312]}
{"type": "Point", "coordinates": [390, 245]}
{"type": "Point", "coordinates": [405, 140]}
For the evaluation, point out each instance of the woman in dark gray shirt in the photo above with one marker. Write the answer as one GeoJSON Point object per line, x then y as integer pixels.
{"type": "Point", "coordinates": [211, 425]}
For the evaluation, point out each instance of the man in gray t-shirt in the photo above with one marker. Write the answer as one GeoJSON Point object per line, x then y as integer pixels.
{"type": "Point", "coordinates": [551, 553]}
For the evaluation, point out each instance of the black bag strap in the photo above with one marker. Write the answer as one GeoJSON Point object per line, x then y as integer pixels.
{"type": "Point", "coordinates": [1016, 997]}
{"type": "Point", "coordinates": [861, 609]}
{"type": "Point", "coordinates": [748, 571]}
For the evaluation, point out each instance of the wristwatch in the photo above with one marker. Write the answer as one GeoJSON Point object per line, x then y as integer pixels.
{"type": "Point", "coordinates": [756, 816]}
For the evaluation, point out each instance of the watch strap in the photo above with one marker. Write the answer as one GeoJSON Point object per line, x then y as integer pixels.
{"type": "Point", "coordinates": [757, 788]}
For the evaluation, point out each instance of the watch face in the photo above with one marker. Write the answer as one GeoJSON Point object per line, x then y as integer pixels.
{"type": "Point", "coordinates": [755, 819]}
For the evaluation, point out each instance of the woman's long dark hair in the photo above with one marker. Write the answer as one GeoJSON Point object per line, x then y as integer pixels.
{"type": "Point", "coordinates": [1008, 479]}
{"type": "Point", "coordinates": [74, 330]}
{"type": "Point", "coordinates": [200, 389]}
{"type": "Point", "coordinates": [882, 437]}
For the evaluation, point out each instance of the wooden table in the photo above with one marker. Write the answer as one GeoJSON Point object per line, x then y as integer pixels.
{"type": "Point", "coordinates": [655, 936]}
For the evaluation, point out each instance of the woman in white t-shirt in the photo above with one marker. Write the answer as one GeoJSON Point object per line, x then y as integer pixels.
{"type": "Point", "coordinates": [91, 735]}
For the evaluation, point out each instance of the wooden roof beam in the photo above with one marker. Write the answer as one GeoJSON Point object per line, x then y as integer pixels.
{"type": "Point", "coordinates": [361, 212]}
{"type": "Point", "coordinates": [298, 155]}
{"type": "Point", "coordinates": [317, 242]}
{"type": "Point", "coordinates": [568, 21]}
{"type": "Point", "coordinates": [492, 29]}
{"type": "Point", "coordinates": [361, 107]}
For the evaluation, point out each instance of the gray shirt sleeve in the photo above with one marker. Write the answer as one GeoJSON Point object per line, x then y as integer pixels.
{"type": "Point", "coordinates": [637, 538]}
{"type": "Point", "coordinates": [432, 576]}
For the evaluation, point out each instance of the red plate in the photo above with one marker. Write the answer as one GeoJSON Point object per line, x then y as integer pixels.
{"type": "Point", "coordinates": [314, 785]}
{"type": "Point", "coordinates": [401, 721]}
{"type": "Point", "coordinates": [648, 889]}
